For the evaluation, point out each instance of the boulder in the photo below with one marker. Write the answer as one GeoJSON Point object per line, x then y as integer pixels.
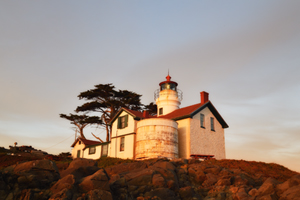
{"type": "Point", "coordinates": [98, 180]}
{"type": "Point", "coordinates": [33, 194]}
{"type": "Point", "coordinates": [213, 170]}
{"type": "Point", "coordinates": [183, 178]}
{"type": "Point", "coordinates": [82, 162]}
{"type": "Point", "coordinates": [165, 165]}
{"type": "Point", "coordinates": [239, 180]}
{"type": "Point", "coordinates": [158, 181]}
{"type": "Point", "coordinates": [162, 193]}
{"type": "Point", "coordinates": [291, 193]}
{"type": "Point", "coordinates": [33, 174]}
{"type": "Point", "coordinates": [125, 168]}
{"type": "Point", "coordinates": [223, 182]}
{"type": "Point", "coordinates": [187, 193]}
{"type": "Point", "coordinates": [242, 194]}
{"type": "Point", "coordinates": [98, 195]}
{"type": "Point", "coordinates": [64, 194]}
{"type": "Point", "coordinates": [268, 187]}
{"type": "Point", "coordinates": [44, 165]}
{"type": "Point", "coordinates": [66, 182]}
{"type": "Point", "coordinates": [294, 181]}
{"type": "Point", "coordinates": [80, 168]}
{"type": "Point", "coordinates": [211, 179]}
{"type": "Point", "coordinates": [119, 188]}
{"type": "Point", "coordinates": [196, 174]}
{"type": "Point", "coordinates": [139, 178]}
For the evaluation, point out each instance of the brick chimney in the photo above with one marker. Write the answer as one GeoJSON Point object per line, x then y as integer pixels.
{"type": "Point", "coordinates": [204, 97]}
{"type": "Point", "coordinates": [145, 114]}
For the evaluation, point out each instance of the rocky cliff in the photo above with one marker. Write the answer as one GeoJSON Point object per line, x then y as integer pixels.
{"type": "Point", "coordinates": [151, 179]}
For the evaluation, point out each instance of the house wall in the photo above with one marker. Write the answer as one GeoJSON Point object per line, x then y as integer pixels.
{"type": "Point", "coordinates": [76, 148]}
{"type": "Point", "coordinates": [129, 134]}
{"type": "Point", "coordinates": [128, 147]}
{"type": "Point", "coordinates": [96, 155]}
{"type": "Point", "coordinates": [204, 140]}
{"type": "Point", "coordinates": [184, 141]}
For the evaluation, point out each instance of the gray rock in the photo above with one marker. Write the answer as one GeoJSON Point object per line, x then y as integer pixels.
{"type": "Point", "coordinates": [65, 183]}
{"type": "Point", "coordinates": [98, 195]}
{"type": "Point", "coordinates": [162, 193]}
{"type": "Point", "coordinates": [158, 181]}
{"type": "Point", "coordinates": [292, 193]}
{"type": "Point", "coordinates": [98, 180]}
{"type": "Point", "coordinates": [268, 187]}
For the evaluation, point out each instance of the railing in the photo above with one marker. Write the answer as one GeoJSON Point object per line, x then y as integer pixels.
{"type": "Point", "coordinates": [157, 94]}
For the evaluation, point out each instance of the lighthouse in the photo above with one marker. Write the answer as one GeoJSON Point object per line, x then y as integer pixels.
{"type": "Point", "coordinates": [167, 97]}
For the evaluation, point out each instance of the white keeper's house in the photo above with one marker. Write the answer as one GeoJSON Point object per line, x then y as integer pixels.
{"type": "Point", "coordinates": [193, 131]}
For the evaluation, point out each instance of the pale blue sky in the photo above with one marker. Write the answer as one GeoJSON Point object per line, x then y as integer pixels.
{"type": "Point", "coordinates": [244, 53]}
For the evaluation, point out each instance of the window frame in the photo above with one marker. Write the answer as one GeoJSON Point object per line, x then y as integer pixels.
{"type": "Point", "coordinates": [161, 111]}
{"type": "Point", "coordinates": [202, 120]}
{"type": "Point", "coordinates": [212, 124]}
{"type": "Point", "coordinates": [102, 150]}
{"type": "Point", "coordinates": [92, 150]}
{"type": "Point", "coordinates": [122, 121]}
{"type": "Point", "coordinates": [122, 144]}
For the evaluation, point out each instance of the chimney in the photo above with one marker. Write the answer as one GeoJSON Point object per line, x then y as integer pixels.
{"type": "Point", "coordinates": [204, 97]}
{"type": "Point", "coordinates": [145, 114]}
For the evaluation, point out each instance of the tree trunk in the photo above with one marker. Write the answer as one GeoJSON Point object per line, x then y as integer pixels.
{"type": "Point", "coordinates": [81, 132]}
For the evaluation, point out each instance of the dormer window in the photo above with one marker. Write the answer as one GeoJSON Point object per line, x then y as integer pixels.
{"type": "Point", "coordinates": [122, 121]}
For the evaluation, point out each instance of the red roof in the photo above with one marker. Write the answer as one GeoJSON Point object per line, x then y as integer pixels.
{"type": "Point", "coordinates": [186, 112]}
{"type": "Point", "coordinates": [86, 142]}
{"type": "Point", "coordinates": [135, 113]}
{"type": "Point", "coordinates": [190, 111]}
{"type": "Point", "coordinates": [182, 111]}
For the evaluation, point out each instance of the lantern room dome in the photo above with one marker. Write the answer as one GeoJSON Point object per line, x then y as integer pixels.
{"type": "Point", "coordinates": [168, 84]}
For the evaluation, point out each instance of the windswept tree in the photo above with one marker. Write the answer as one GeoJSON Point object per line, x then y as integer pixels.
{"type": "Point", "coordinates": [151, 108]}
{"type": "Point", "coordinates": [106, 100]}
{"type": "Point", "coordinates": [81, 121]}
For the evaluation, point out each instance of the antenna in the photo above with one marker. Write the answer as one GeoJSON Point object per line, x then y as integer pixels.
{"type": "Point", "coordinates": [75, 134]}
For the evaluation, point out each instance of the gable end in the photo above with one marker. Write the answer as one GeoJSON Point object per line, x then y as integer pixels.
{"type": "Point", "coordinates": [213, 111]}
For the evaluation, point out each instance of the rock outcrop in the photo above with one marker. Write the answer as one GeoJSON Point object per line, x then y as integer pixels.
{"type": "Point", "coordinates": [143, 180]}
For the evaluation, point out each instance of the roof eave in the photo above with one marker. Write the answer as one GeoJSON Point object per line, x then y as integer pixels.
{"type": "Point", "coordinates": [119, 112]}
{"type": "Point", "coordinates": [182, 117]}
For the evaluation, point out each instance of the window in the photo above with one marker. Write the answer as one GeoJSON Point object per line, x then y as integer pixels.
{"type": "Point", "coordinates": [212, 125]}
{"type": "Point", "coordinates": [78, 153]}
{"type": "Point", "coordinates": [168, 86]}
{"type": "Point", "coordinates": [123, 122]}
{"type": "Point", "coordinates": [202, 122]}
{"type": "Point", "coordinates": [122, 143]}
{"type": "Point", "coordinates": [92, 150]}
{"type": "Point", "coordinates": [79, 142]}
{"type": "Point", "coordinates": [104, 150]}
{"type": "Point", "coordinates": [160, 111]}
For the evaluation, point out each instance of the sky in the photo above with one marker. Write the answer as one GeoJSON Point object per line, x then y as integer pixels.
{"type": "Point", "coordinates": [245, 54]}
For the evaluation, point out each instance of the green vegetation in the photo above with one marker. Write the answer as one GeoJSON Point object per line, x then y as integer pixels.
{"type": "Point", "coordinates": [107, 101]}
{"type": "Point", "coordinates": [108, 161]}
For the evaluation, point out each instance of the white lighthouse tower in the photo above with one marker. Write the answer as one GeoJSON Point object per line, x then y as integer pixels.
{"type": "Point", "coordinates": [168, 97]}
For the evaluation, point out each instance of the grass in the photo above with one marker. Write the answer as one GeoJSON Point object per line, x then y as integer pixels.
{"type": "Point", "coordinates": [104, 162]}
